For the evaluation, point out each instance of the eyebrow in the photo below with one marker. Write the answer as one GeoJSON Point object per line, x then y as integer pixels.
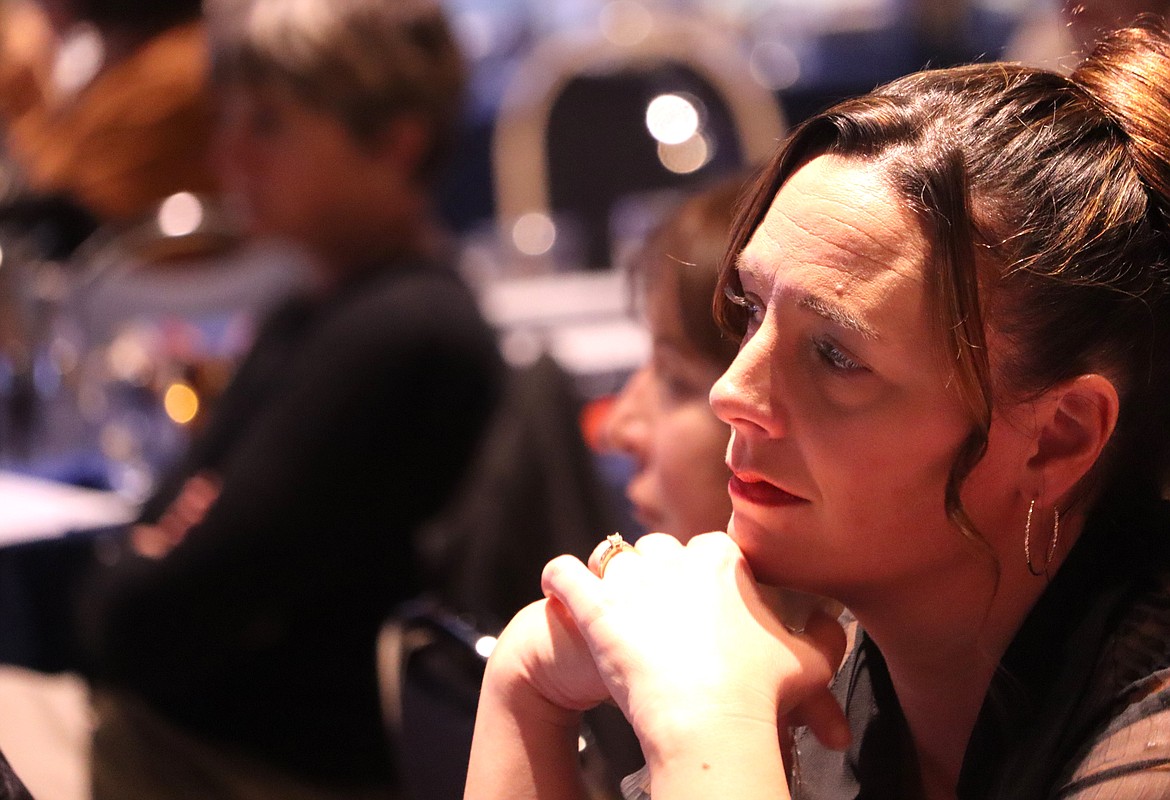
{"type": "Point", "coordinates": [823, 308]}
{"type": "Point", "coordinates": [836, 314]}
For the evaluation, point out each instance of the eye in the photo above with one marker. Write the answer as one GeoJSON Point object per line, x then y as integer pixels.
{"type": "Point", "coordinates": [675, 380]}
{"type": "Point", "coordinates": [744, 301]}
{"type": "Point", "coordinates": [682, 387]}
{"type": "Point", "coordinates": [674, 387]}
{"type": "Point", "coordinates": [836, 358]}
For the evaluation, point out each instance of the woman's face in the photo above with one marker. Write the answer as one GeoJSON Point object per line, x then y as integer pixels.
{"type": "Point", "coordinates": [296, 172]}
{"type": "Point", "coordinates": [664, 421]}
{"type": "Point", "coordinates": [844, 420]}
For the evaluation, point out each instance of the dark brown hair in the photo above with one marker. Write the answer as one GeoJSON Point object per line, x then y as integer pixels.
{"type": "Point", "coordinates": [1044, 200]}
{"type": "Point", "coordinates": [147, 16]}
{"type": "Point", "coordinates": [688, 248]}
{"type": "Point", "coordinates": [366, 62]}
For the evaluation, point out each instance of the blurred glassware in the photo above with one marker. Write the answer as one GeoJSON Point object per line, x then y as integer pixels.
{"type": "Point", "coordinates": [535, 243]}
{"type": "Point", "coordinates": [122, 346]}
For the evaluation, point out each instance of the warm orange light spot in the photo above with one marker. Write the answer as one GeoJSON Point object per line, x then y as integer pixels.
{"type": "Point", "coordinates": [181, 403]}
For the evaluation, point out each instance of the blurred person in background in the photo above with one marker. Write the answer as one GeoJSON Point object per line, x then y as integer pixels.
{"type": "Point", "coordinates": [26, 40]}
{"type": "Point", "coordinates": [114, 114]}
{"type": "Point", "coordinates": [662, 418]}
{"type": "Point", "coordinates": [233, 650]}
{"type": "Point", "coordinates": [105, 113]}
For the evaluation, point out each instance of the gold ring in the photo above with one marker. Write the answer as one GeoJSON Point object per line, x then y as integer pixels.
{"type": "Point", "coordinates": [614, 544]}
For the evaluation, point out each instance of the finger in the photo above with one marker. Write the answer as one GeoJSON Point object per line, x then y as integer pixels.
{"type": "Point", "coordinates": [610, 548]}
{"type": "Point", "coordinates": [181, 515]}
{"type": "Point", "coordinates": [210, 479]}
{"type": "Point", "coordinates": [571, 652]}
{"type": "Point", "coordinates": [597, 552]}
{"type": "Point", "coordinates": [201, 502]}
{"type": "Point", "coordinates": [178, 520]}
{"type": "Point", "coordinates": [561, 572]}
{"type": "Point", "coordinates": [201, 490]}
{"type": "Point", "coordinates": [717, 548]}
{"type": "Point", "coordinates": [717, 541]}
{"type": "Point", "coordinates": [657, 544]}
{"type": "Point", "coordinates": [824, 717]}
{"type": "Point", "coordinates": [820, 650]}
{"type": "Point", "coordinates": [826, 633]}
{"type": "Point", "coordinates": [569, 581]}
{"type": "Point", "coordinates": [148, 541]}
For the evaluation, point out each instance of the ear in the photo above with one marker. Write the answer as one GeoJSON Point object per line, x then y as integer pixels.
{"type": "Point", "coordinates": [1076, 420]}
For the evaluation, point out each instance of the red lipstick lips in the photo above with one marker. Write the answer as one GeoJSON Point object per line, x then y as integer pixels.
{"type": "Point", "coordinates": [761, 493]}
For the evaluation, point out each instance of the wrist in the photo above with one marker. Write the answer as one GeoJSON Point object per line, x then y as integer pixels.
{"type": "Point", "coordinates": [715, 755]}
{"type": "Point", "coordinates": [688, 726]}
{"type": "Point", "coordinates": [524, 744]}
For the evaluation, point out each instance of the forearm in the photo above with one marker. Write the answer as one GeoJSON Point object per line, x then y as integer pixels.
{"type": "Point", "coordinates": [524, 747]}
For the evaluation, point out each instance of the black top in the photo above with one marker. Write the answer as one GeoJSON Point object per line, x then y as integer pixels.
{"type": "Point", "coordinates": [10, 786]}
{"type": "Point", "coordinates": [1079, 708]}
{"type": "Point", "coordinates": [348, 424]}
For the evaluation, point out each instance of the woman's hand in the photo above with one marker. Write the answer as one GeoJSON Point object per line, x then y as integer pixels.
{"type": "Point", "coordinates": [185, 512]}
{"type": "Point", "coordinates": [686, 641]}
{"type": "Point", "coordinates": [539, 678]}
{"type": "Point", "coordinates": [542, 652]}
{"type": "Point", "coordinates": [690, 647]}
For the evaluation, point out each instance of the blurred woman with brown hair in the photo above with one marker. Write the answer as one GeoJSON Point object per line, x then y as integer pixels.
{"type": "Point", "coordinates": [662, 418]}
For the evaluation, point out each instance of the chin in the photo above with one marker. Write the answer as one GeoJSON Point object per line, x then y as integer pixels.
{"type": "Point", "coordinates": [747, 535]}
{"type": "Point", "coordinates": [745, 528]}
{"type": "Point", "coordinates": [760, 546]}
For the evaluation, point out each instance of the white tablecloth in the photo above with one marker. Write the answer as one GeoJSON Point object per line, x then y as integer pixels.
{"type": "Point", "coordinates": [33, 508]}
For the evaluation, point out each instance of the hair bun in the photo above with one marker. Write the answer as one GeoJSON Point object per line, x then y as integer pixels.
{"type": "Point", "coordinates": [1128, 76]}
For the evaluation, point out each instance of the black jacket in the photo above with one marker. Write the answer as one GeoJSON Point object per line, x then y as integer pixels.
{"type": "Point", "coordinates": [349, 423]}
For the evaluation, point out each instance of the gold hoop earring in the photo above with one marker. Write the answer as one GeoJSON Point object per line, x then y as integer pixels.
{"type": "Point", "coordinates": [1050, 550]}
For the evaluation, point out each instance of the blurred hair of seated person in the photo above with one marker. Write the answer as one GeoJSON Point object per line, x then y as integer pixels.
{"type": "Point", "coordinates": [662, 418]}
{"type": "Point", "coordinates": [234, 652]}
{"type": "Point", "coordinates": [25, 44]}
{"type": "Point", "coordinates": [116, 115]}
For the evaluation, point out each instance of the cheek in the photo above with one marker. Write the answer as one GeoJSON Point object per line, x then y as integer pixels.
{"type": "Point", "coordinates": [885, 466]}
{"type": "Point", "coordinates": [690, 465]}
{"type": "Point", "coordinates": [278, 178]}
{"type": "Point", "coordinates": [288, 199]}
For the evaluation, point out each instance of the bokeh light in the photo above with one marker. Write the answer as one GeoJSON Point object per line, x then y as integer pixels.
{"type": "Point", "coordinates": [774, 65]}
{"type": "Point", "coordinates": [181, 403]}
{"type": "Point", "coordinates": [534, 233]}
{"type": "Point", "coordinates": [180, 214]}
{"type": "Point", "coordinates": [685, 157]}
{"type": "Point", "coordinates": [485, 645]}
{"type": "Point", "coordinates": [625, 23]}
{"type": "Point", "coordinates": [672, 118]}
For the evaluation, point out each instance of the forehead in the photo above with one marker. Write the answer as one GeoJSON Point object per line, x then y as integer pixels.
{"type": "Point", "coordinates": [662, 303]}
{"type": "Point", "coordinates": [838, 235]}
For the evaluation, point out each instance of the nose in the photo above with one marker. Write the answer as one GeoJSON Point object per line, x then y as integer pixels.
{"type": "Point", "coordinates": [628, 428]}
{"type": "Point", "coordinates": [746, 396]}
